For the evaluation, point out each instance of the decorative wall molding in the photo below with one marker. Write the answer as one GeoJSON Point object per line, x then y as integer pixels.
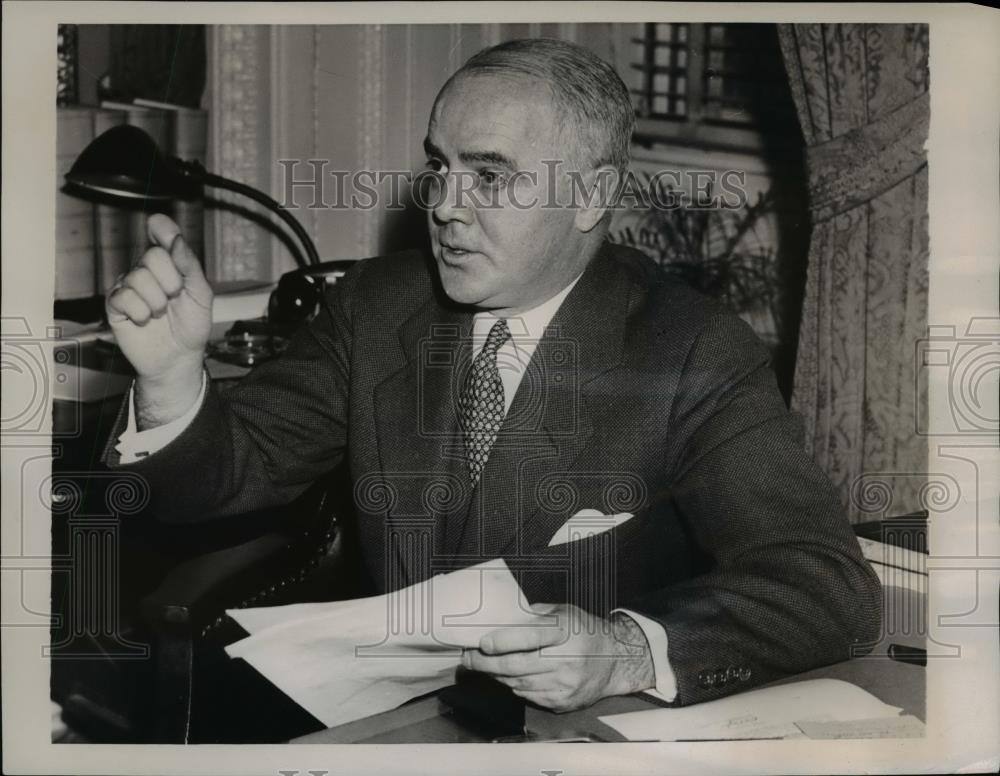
{"type": "Point", "coordinates": [455, 58]}
{"type": "Point", "coordinates": [409, 107]}
{"type": "Point", "coordinates": [491, 34]}
{"type": "Point", "coordinates": [567, 31]}
{"type": "Point", "coordinates": [370, 124]}
{"type": "Point", "coordinates": [234, 147]}
{"type": "Point", "coordinates": [293, 124]}
{"type": "Point", "coordinates": [314, 217]}
{"type": "Point", "coordinates": [278, 118]}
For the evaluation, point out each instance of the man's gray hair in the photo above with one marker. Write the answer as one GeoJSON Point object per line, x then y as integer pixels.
{"type": "Point", "coordinates": [585, 88]}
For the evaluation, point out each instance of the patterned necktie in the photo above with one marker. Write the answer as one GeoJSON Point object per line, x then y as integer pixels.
{"type": "Point", "coordinates": [481, 403]}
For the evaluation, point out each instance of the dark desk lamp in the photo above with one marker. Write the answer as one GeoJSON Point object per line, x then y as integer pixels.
{"type": "Point", "coordinates": [125, 162]}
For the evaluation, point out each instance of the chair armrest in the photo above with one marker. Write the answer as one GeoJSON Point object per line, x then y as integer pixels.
{"type": "Point", "coordinates": [184, 617]}
{"type": "Point", "coordinates": [196, 591]}
{"type": "Point", "coordinates": [179, 613]}
{"type": "Point", "coordinates": [194, 594]}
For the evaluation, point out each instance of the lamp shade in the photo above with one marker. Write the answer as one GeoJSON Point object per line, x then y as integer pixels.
{"type": "Point", "coordinates": [126, 162]}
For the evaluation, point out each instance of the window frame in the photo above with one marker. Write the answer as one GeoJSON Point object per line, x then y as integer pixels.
{"type": "Point", "coordinates": [694, 129]}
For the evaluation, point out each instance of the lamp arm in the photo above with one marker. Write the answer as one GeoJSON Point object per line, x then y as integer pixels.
{"type": "Point", "coordinates": [195, 172]}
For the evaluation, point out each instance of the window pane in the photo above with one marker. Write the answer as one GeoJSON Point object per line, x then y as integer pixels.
{"type": "Point", "coordinates": [740, 71]}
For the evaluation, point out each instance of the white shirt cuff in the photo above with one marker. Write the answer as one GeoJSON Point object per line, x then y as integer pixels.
{"type": "Point", "coordinates": [134, 444]}
{"type": "Point", "coordinates": [656, 636]}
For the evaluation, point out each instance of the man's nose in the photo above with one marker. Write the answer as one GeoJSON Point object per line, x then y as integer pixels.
{"type": "Point", "coordinates": [453, 202]}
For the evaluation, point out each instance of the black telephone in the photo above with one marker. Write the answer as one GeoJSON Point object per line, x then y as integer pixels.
{"type": "Point", "coordinates": [294, 302]}
{"type": "Point", "coordinates": [299, 292]}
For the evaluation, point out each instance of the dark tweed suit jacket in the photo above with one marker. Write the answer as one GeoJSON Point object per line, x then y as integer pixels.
{"type": "Point", "coordinates": [642, 397]}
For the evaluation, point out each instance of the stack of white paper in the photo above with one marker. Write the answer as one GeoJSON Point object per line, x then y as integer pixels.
{"type": "Point", "coordinates": [345, 660]}
{"type": "Point", "coordinates": [771, 712]}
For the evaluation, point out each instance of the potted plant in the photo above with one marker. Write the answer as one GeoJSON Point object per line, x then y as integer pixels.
{"type": "Point", "coordinates": [723, 252]}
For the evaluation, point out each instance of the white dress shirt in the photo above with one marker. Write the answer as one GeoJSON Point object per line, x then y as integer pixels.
{"type": "Point", "coordinates": [513, 358]}
{"type": "Point", "coordinates": [134, 444]}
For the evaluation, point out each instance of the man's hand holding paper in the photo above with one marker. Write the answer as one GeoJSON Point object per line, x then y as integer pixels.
{"type": "Point", "coordinates": [330, 658]}
{"type": "Point", "coordinates": [569, 660]}
{"type": "Point", "coordinates": [349, 659]}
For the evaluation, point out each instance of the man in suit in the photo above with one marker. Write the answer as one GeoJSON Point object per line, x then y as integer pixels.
{"type": "Point", "coordinates": [528, 371]}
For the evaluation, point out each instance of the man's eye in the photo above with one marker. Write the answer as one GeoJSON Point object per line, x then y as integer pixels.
{"type": "Point", "coordinates": [492, 178]}
{"type": "Point", "coordinates": [434, 165]}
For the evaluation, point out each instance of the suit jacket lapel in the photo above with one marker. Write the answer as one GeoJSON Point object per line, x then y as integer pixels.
{"type": "Point", "coordinates": [552, 418]}
{"type": "Point", "coordinates": [422, 477]}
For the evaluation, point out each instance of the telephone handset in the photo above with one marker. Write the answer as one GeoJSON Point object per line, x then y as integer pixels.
{"type": "Point", "coordinates": [294, 302]}
{"type": "Point", "coordinates": [299, 293]}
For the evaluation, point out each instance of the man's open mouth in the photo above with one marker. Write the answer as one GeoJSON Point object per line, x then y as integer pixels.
{"type": "Point", "coordinates": [455, 250]}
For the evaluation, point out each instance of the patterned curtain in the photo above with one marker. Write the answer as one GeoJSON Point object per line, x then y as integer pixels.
{"type": "Point", "coordinates": [861, 92]}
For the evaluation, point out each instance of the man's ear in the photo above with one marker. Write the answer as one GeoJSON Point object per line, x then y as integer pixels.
{"type": "Point", "coordinates": [599, 185]}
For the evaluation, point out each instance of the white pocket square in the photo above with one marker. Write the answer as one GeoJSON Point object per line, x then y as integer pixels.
{"type": "Point", "coordinates": [587, 523]}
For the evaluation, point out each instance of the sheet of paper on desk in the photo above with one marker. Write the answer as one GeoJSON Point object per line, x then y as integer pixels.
{"type": "Point", "coordinates": [771, 712]}
{"type": "Point", "coordinates": [345, 660]}
{"type": "Point", "coordinates": [905, 726]}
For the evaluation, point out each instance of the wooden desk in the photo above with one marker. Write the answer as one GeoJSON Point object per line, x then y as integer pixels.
{"type": "Point", "coordinates": [428, 720]}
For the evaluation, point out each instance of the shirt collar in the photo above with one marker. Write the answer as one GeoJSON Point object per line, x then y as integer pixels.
{"type": "Point", "coordinates": [526, 329]}
{"type": "Point", "coordinates": [528, 326]}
